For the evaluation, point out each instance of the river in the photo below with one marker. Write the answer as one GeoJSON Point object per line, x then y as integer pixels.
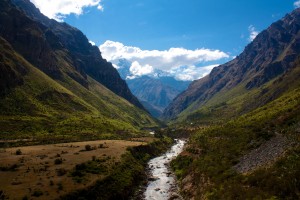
{"type": "Point", "coordinates": [162, 183]}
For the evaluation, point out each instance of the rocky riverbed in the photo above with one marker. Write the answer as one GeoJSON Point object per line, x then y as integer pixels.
{"type": "Point", "coordinates": [161, 181]}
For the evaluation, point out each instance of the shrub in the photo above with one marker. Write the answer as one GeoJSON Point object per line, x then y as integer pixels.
{"type": "Point", "coordinates": [37, 193]}
{"type": "Point", "coordinates": [60, 186]}
{"type": "Point", "coordinates": [61, 172]}
{"type": "Point", "coordinates": [19, 152]}
{"type": "Point", "coordinates": [25, 198]}
{"type": "Point", "coordinates": [88, 147]}
{"type": "Point", "coordinates": [58, 161]}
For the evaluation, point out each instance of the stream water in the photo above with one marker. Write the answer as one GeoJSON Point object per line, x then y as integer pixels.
{"type": "Point", "coordinates": [162, 184]}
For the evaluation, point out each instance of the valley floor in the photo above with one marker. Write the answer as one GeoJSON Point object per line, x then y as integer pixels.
{"type": "Point", "coordinates": [50, 171]}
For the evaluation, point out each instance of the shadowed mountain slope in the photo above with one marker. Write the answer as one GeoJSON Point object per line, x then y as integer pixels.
{"type": "Point", "coordinates": [84, 58]}
{"type": "Point", "coordinates": [46, 94]}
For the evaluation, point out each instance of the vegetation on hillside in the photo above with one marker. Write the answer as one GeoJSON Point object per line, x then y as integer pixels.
{"type": "Point", "coordinates": [42, 110]}
{"type": "Point", "coordinates": [214, 151]}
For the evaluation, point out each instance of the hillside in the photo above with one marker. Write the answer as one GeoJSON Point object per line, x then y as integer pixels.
{"type": "Point", "coordinates": [156, 93]}
{"type": "Point", "coordinates": [245, 118]}
{"type": "Point", "coordinates": [51, 36]}
{"type": "Point", "coordinates": [241, 84]}
{"type": "Point", "coordinates": [254, 156]}
{"type": "Point", "coordinates": [46, 95]}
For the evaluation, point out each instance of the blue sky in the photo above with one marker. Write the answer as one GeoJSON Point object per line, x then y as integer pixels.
{"type": "Point", "coordinates": [162, 34]}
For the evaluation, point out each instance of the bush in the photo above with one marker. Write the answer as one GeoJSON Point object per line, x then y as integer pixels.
{"type": "Point", "coordinates": [88, 147]}
{"type": "Point", "coordinates": [25, 198]}
{"type": "Point", "coordinates": [58, 161]}
{"type": "Point", "coordinates": [61, 172]}
{"type": "Point", "coordinates": [60, 186]}
{"type": "Point", "coordinates": [37, 193]}
{"type": "Point", "coordinates": [19, 152]}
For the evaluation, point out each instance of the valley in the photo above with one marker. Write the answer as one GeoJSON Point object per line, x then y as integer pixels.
{"type": "Point", "coordinates": [121, 123]}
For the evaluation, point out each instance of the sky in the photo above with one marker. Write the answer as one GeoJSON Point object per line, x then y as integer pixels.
{"type": "Point", "coordinates": [185, 38]}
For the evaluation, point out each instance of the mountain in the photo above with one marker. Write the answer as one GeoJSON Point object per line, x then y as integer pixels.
{"type": "Point", "coordinates": [244, 120]}
{"type": "Point", "coordinates": [155, 91]}
{"type": "Point", "coordinates": [245, 79]}
{"type": "Point", "coordinates": [55, 84]}
{"type": "Point", "coordinates": [85, 58]}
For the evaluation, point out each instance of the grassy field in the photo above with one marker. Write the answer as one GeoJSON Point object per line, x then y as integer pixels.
{"type": "Point", "coordinates": [51, 171]}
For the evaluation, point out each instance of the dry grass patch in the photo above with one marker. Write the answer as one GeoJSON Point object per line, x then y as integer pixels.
{"type": "Point", "coordinates": [45, 171]}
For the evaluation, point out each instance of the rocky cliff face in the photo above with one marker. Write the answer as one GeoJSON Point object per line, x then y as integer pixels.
{"type": "Point", "coordinates": [271, 54]}
{"type": "Point", "coordinates": [57, 48]}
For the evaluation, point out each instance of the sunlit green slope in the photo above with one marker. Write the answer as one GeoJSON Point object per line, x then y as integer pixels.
{"type": "Point", "coordinates": [34, 106]}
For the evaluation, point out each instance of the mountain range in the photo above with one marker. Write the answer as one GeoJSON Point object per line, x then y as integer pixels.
{"type": "Point", "coordinates": [53, 79]}
{"type": "Point", "coordinates": [155, 91]}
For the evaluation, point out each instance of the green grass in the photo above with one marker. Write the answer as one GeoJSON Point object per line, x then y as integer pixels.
{"type": "Point", "coordinates": [216, 149]}
{"type": "Point", "coordinates": [229, 104]}
{"type": "Point", "coordinates": [46, 110]}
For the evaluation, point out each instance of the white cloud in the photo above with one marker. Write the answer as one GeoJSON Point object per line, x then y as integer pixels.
{"type": "Point", "coordinates": [297, 4]}
{"type": "Point", "coordinates": [167, 60]}
{"type": "Point", "coordinates": [58, 9]}
{"type": "Point", "coordinates": [190, 73]}
{"type": "Point", "coordinates": [100, 7]}
{"type": "Point", "coordinates": [137, 70]}
{"type": "Point", "coordinates": [253, 33]}
{"type": "Point", "coordinates": [92, 43]}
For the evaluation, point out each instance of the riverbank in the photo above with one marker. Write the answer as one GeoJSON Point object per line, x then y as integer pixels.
{"type": "Point", "coordinates": [126, 176]}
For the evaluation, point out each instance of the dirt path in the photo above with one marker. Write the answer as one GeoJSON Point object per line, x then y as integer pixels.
{"type": "Point", "coordinates": [265, 154]}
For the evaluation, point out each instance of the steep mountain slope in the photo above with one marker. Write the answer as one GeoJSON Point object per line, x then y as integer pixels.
{"type": "Point", "coordinates": [46, 96]}
{"type": "Point", "coordinates": [156, 93]}
{"type": "Point", "coordinates": [85, 59]}
{"type": "Point", "coordinates": [245, 118]}
{"type": "Point", "coordinates": [239, 85]}
{"type": "Point", "coordinates": [254, 156]}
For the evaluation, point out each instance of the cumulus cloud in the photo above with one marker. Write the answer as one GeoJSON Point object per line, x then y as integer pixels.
{"type": "Point", "coordinates": [137, 70]}
{"type": "Point", "coordinates": [58, 9]}
{"type": "Point", "coordinates": [190, 73]}
{"type": "Point", "coordinates": [168, 60]}
{"type": "Point", "coordinates": [297, 4]}
{"type": "Point", "coordinates": [253, 33]}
